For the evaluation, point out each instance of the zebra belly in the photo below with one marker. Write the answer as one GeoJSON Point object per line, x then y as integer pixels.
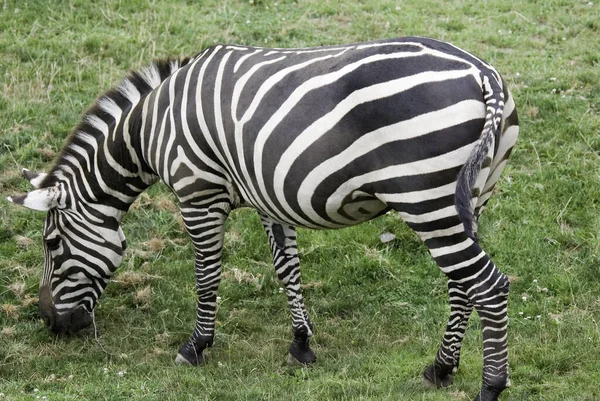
{"type": "Point", "coordinates": [355, 209]}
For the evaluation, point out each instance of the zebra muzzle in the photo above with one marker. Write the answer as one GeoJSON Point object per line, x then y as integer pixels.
{"type": "Point", "coordinates": [67, 322]}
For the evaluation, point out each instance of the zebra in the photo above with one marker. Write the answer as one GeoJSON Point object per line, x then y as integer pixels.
{"type": "Point", "coordinates": [322, 138]}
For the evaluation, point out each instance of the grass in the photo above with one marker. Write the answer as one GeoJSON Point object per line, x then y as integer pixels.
{"type": "Point", "coordinates": [379, 309]}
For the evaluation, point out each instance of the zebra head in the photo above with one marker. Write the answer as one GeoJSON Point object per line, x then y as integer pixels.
{"type": "Point", "coordinates": [81, 253]}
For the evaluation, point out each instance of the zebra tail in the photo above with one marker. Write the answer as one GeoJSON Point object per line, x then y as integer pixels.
{"type": "Point", "coordinates": [494, 101]}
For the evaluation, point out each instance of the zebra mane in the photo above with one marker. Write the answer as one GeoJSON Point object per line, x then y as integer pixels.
{"type": "Point", "coordinates": [121, 98]}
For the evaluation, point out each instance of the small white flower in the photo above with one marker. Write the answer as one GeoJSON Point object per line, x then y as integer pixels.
{"type": "Point", "coordinates": [105, 370]}
{"type": "Point", "coordinates": [35, 390]}
{"type": "Point", "coordinates": [283, 18]}
{"type": "Point", "coordinates": [535, 281]}
{"type": "Point", "coordinates": [398, 8]}
{"type": "Point", "coordinates": [387, 237]}
{"type": "Point", "coordinates": [520, 313]}
{"type": "Point", "coordinates": [220, 364]}
{"type": "Point", "coordinates": [247, 21]}
{"type": "Point", "coordinates": [552, 79]}
{"type": "Point", "coordinates": [280, 290]}
{"type": "Point", "coordinates": [122, 373]}
{"type": "Point", "coordinates": [218, 299]}
{"type": "Point", "coordinates": [524, 298]}
{"type": "Point", "coordinates": [538, 316]}
{"type": "Point", "coordinates": [518, 74]}
{"type": "Point", "coordinates": [70, 377]}
{"type": "Point", "coordinates": [564, 38]}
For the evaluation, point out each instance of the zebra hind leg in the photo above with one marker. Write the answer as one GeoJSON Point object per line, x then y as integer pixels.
{"type": "Point", "coordinates": [474, 274]}
{"type": "Point", "coordinates": [440, 373]}
{"type": "Point", "coordinates": [206, 229]}
{"type": "Point", "coordinates": [282, 240]}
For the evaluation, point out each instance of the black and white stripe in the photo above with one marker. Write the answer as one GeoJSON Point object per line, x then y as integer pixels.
{"type": "Point", "coordinates": [321, 138]}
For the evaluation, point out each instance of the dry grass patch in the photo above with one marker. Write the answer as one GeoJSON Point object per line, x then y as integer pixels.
{"type": "Point", "coordinates": [155, 244]}
{"type": "Point", "coordinates": [17, 288]}
{"type": "Point", "coordinates": [11, 310]}
{"type": "Point", "coordinates": [131, 278]}
{"type": "Point", "coordinates": [163, 203]}
{"type": "Point", "coordinates": [23, 242]}
{"type": "Point", "coordinates": [48, 154]}
{"type": "Point", "coordinates": [242, 276]}
{"type": "Point", "coordinates": [9, 331]}
{"type": "Point", "coordinates": [142, 296]}
{"type": "Point", "coordinates": [29, 300]}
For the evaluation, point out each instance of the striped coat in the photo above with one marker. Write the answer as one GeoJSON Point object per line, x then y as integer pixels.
{"type": "Point", "coordinates": [321, 138]}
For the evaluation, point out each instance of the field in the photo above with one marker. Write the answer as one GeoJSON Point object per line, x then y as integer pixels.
{"type": "Point", "coordinates": [379, 309]}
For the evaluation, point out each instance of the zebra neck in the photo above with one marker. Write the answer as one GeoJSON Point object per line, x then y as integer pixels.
{"type": "Point", "coordinates": [101, 164]}
{"type": "Point", "coordinates": [102, 168]}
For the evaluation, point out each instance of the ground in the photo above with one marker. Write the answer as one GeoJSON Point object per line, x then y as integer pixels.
{"type": "Point", "coordinates": [379, 309]}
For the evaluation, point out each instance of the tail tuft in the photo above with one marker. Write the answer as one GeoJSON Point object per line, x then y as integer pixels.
{"type": "Point", "coordinates": [494, 100]}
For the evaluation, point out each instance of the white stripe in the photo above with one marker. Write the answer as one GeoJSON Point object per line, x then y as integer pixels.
{"type": "Point", "coordinates": [431, 216]}
{"type": "Point", "coordinates": [151, 76]}
{"type": "Point", "coordinates": [241, 60]}
{"type": "Point", "coordinates": [458, 266]}
{"type": "Point", "coordinates": [425, 235]}
{"type": "Point", "coordinates": [129, 90]}
{"type": "Point", "coordinates": [418, 196]}
{"type": "Point", "coordinates": [446, 250]}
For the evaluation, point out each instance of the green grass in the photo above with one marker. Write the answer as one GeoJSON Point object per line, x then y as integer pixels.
{"type": "Point", "coordinates": [379, 310]}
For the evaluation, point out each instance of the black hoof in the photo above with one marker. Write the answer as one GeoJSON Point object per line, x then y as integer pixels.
{"type": "Point", "coordinates": [189, 355]}
{"type": "Point", "coordinates": [300, 352]}
{"type": "Point", "coordinates": [438, 377]}
{"type": "Point", "coordinates": [488, 393]}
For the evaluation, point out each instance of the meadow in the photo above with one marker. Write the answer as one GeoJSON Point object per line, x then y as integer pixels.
{"type": "Point", "coordinates": [379, 309]}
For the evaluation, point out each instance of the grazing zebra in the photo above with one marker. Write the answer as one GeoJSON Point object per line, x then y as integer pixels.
{"type": "Point", "coordinates": [322, 138]}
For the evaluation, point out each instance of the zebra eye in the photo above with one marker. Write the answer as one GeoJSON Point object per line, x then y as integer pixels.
{"type": "Point", "coordinates": [53, 243]}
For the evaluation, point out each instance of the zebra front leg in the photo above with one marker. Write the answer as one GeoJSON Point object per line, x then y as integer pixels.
{"type": "Point", "coordinates": [206, 228]}
{"type": "Point", "coordinates": [282, 239]}
{"type": "Point", "coordinates": [448, 356]}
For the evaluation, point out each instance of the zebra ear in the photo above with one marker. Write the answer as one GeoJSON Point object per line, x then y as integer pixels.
{"type": "Point", "coordinates": [42, 199]}
{"type": "Point", "coordinates": [34, 179]}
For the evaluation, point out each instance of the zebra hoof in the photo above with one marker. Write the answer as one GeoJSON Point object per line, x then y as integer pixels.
{"type": "Point", "coordinates": [437, 378]}
{"type": "Point", "coordinates": [488, 395]}
{"type": "Point", "coordinates": [301, 354]}
{"type": "Point", "coordinates": [293, 361]}
{"type": "Point", "coordinates": [492, 391]}
{"type": "Point", "coordinates": [189, 356]}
